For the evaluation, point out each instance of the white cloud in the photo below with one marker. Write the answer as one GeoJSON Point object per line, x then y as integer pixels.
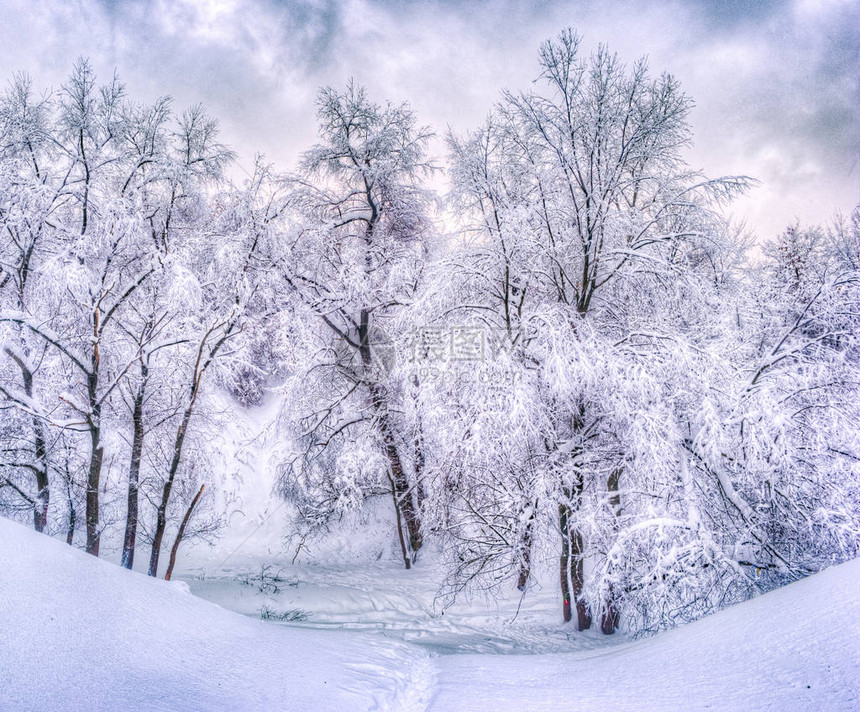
{"type": "Point", "coordinates": [777, 87]}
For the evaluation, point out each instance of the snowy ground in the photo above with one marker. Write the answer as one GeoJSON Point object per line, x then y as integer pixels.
{"type": "Point", "coordinates": [77, 633]}
{"type": "Point", "coordinates": [395, 604]}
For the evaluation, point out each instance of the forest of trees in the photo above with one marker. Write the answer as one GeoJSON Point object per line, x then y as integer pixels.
{"type": "Point", "coordinates": [571, 356]}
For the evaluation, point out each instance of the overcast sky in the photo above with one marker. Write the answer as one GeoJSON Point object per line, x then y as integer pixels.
{"type": "Point", "coordinates": [776, 84]}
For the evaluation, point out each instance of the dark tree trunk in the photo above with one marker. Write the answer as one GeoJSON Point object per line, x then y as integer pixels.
{"type": "Point", "coordinates": [577, 577]}
{"type": "Point", "coordinates": [404, 503]}
{"type": "Point", "coordinates": [43, 497]}
{"type": "Point", "coordinates": [96, 449]}
{"type": "Point", "coordinates": [419, 462]}
{"type": "Point", "coordinates": [161, 515]}
{"type": "Point", "coordinates": [40, 461]}
{"type": "Point", "coordinates": [403, 550]}
{"type": "Point", "coordinates": [523, 578]}
{"type": "Point", "coordinates": [181, 533]}
{"type": "Point", "coordinates": [134, 471]}
{"type": "Point", "coordinates": [576, 542]}
{"type": "Point", "coordinates": [401, 487]}
{"type": "Point", "coordinates": [70, 532]}
{"type": "Point", "coordinates": [200, 366]}
{"type": "Point", "coordinates": [93, 480]}
{"type": "Point", "coordinates": [526, 554]}
{"type": "Point", "coordinates": [73, 514]}
{"type": "Point", "coordinates": [564, 561]}
{"type": "Point", "coordinates": [610, 616]}
{"type": "Point", "coordinates": [572, 569]}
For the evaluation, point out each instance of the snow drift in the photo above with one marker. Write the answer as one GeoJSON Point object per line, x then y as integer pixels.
{"type": "Point", "coordinates": [78, 633]}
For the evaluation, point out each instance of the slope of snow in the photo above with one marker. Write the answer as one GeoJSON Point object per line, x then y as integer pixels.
{"type": "Point", "coordinates": [81, 634]}
{"type": "Point", "coordinates": [797, 648]}
{"type": "Point", "coordinates": [77, 633]}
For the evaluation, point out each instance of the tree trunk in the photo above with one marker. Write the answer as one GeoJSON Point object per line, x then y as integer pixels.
{"type": "Point", "coordinates": [564, 561]}
{"type": "Point", "coordinates": [134, 472]}
{"type": "Point", "coordinates": [200, 366]}
{"type": "Point", "coordinates": [523, 578]}
{"type": "Point", "coordinates": [577, 576]}
{"type": "Point", "coordinates": [401, 487]}
{"type": "Point", "coordinates": [93, 480]}
{"type": "Point", "coordinates": [404, 501]}
{"type": "Point", "coordinates": [161, 516]}
{"type": "Point", "coordinates": [70, 531]}
{"type": "Point", "coordinates": [419, 463]}
{"type": "Point", "coordinates": [40, 461]}
{"type": "Point", "coordinates": [403, 550]}
{"type": "Point", "coordinates": [526, 554]}
{"type": "Point", "coordinates": [43, 497]}
{"type": "Point", "coordinates": [96, 449]}
{"type": "Point", "coordinates": [575, 538]}
{"type": "Point", "coordinates": [73, 514]}
{"type": "Point", "coordinates": [572, 554]}
{"type": "Point", "coordinates": [181, 533]}
{"type": "Point", "coordinates": [610, 616]}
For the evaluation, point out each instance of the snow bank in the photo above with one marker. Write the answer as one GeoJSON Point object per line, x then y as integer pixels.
{"type": "Point", "coordinates": [77, 633]}
{"type": "Point", "coordinates": [797, 648]}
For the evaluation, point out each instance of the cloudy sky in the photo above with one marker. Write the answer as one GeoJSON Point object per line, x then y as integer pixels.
{"type": "Point", "coordinates": [776, 84]}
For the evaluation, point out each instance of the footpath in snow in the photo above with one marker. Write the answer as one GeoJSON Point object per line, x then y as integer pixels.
{"type": "Point", "coordinates": [78, 633]}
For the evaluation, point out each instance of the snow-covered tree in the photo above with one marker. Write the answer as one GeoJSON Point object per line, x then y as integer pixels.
{"type": "Point", "coordinates": [587, 215]}
{"type": "Point", "coordinates": [113, 290]}
{"type": "Point", "coordinates": [591, 368]}
{"type": "Point", "coordinates": [350, 263]}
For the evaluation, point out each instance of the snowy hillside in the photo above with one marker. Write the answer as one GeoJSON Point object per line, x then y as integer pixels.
{"type": "Point", "coordinates": [77, 633]}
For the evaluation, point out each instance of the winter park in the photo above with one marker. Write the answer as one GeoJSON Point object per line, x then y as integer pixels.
{"type": "Point", "coordinates": [429, 357]}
